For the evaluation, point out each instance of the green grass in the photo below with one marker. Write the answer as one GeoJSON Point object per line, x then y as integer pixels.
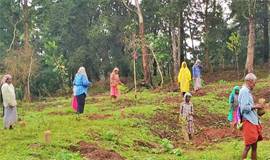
{"type": "Point", "coordinates": [115, 133]}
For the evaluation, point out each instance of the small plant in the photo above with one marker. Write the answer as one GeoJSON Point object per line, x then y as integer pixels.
{"type": "Point", "coordinates": [109, 136]}
{"type": "Point", "coordinates": [167, 145]}
{"type": "Point", "coordinates": [222, 82]}
{"type": "Point", "coordinates": [177, 152]}
{"type": "Point", "coordinates": [122, 88]}
{"type": "Point", "coordinates": [68, 156]}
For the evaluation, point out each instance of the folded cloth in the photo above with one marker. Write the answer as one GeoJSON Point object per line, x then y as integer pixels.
{"type": "Point", "coordinates": [252, 133]}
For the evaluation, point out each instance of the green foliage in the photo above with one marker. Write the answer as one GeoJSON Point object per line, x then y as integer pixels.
{"type": "Point", "coordinates": [122, 88]}
{"type": "Point", "coordinates": [234, 44]}
{"type": "Point", "coordinates": [109, 136]}
{"type": "Point", "coordinates": [167, 146]}
{"type": "Point", "coordinates": [222, 82]}
{"type": "Point", "coordinates": [65, 155]}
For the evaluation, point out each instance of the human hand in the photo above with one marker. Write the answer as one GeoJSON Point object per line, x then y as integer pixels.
{"type": "Point", "coordinates": [259, 106]}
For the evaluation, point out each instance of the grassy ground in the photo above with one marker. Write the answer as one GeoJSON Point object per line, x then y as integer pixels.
{"type": "Point", "coordinates": [150, 129]}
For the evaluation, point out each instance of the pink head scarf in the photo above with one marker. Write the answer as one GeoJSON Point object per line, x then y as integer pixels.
{"type": "Point", "coordinates": [4, 79]}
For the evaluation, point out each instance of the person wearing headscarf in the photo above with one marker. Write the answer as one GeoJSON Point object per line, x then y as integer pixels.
{"type": "Point", "coordinates": [233, 106]}
{"type": "Point", "coordinates": [184, 78]}
{"type": "Point", "coordinates": [9, 101]}
{"type": "Point", "coordinates": [187, 112]}
{"type": "Point", "coordinates": [81, 83]}
{"type": "Point", "coordinates": [114, 82]}
{"type": "Point", "coordinates": [196, 69]}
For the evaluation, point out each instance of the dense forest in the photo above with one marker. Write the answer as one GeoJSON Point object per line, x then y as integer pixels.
{"type": "Point", "coordinates": [44, 42]}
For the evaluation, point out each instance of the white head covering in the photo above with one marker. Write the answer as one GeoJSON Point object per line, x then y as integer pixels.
{"type": "Point", "coordinates": [197, 61]}
{"type": "Point", "coordinates": [82, 71]}
{"type": "Point", "coordinates": [187, 94]}
{"type": "Point", "coordinates": [4, 79]}
{"type": "Point", "coordinates": [115, 69]}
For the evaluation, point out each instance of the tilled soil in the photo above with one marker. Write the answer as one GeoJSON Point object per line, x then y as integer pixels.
{"type": "Point", "coordinates": [91, 151]}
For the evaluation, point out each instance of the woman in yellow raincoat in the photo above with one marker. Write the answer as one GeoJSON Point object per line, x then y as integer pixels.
{"type": "Point", "coordinates": [184, 78]}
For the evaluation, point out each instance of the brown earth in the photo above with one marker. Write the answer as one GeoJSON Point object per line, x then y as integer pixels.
{"type": "Point", "coordinates": [175, 99]}
{"type": "Point", "coordinates": [144, 144]}
{"type": "Point", "coordinates": [165, 125]}
{"type": "Point", "coordinates": [96, 116]}
{"type": "Point", "coordinates": [35, 145]}
{"type": "Point", "coordinates": [91, 151]}
{"type": "Point", "coordinates": [58, 113]}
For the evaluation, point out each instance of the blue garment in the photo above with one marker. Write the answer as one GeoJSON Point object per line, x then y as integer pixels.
{"type": "Point", "coordinates": [81, 84]}
{"type": "Point", "coordinates": [246, 102]}
{"type": "Point", "coordinates": [196, 70]}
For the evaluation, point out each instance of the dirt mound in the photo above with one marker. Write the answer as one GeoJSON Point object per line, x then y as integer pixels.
{"type": "Point", "coordinates": [263, 93]}
{"type": "Point", "coordinates": [165, 125]}
{"type": "Point", "coordinates": [169, 100]}
{"type": "Point", "coordinates": [200, 93]}
{"type": "Point", "coordinates": [58, 113]}
{"type": "Point", "coordinates": [96, 116]}
{"type": "Point", "coordinates": [91, 151]}
{"type": "Point", "coordinates": [221, 133]}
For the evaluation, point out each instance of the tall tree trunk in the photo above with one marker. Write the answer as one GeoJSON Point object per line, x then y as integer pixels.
{"type": "Point", "coordinates": [265, 32]}
{"type": "Point", "coordinates": [180, 39]}
{"type": "Point", "coordinates": [174, 51]}
{"type": "Point", "coordinates": [145, 56]}
{"type": "Point", "coordinates": [27, 53]}
{"type": "Point", "coordinates": [251, 38]}
{"type": "Point", "coordinates": [207, 54]}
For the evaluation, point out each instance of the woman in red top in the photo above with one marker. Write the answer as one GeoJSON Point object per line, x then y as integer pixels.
{"type": "Point", "coordinates": [114, 82]}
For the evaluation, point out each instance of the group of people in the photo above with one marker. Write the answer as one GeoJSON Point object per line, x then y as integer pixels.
{"type": "Point", "coordinates": [241, 104]}
{"type": "Point", "coordinates": [81, 83]}
{"type": "Point", "coordinates": [242, 111]}
{"type": "Point", "coordinates": [186, 107]}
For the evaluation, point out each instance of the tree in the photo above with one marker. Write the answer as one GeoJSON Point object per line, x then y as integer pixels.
{"type": "Point", "coordinates": [251, 38]}
{"type": "Point", "coordinates": [265, 31]}
{"type": "Point", "coordinates": [27, 52]}
{"type": "Point", "coordinates": [234, 46]}
{"type": "Point", "coordinates": [146, 62]}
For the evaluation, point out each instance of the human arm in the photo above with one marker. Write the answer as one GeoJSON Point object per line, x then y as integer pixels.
{"type": "Point", "coordinates": [193, 72]}
{"type": "Point", "coordinates": [231, 103]}
{"type": "Point", "coordinates": [181, 110]}
{"type": "Point", "coordinates": [245, 103]}
{"type": "Point", "coordinates": [192, 109]}
{"type": "Point", "coordinates": [85, 82]}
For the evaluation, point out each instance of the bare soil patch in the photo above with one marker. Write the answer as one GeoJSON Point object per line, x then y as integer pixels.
{"type": "Point", "coordinates": [58, 113]}
{"type": "Point", "coordinates": [200, 93]}
{"type": "Point", "coordinates": [144, 144]}
{"type": "Point", "coordinates": [34, 145]}
{"type": "Point", "coordinates": [91, 151]}
{"type": "Point", "coordinates": [97, 116]}
{"type": "Point", "coordinates": [169, 100]}
{"type": "Point", "coordinates": [165, 125]}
